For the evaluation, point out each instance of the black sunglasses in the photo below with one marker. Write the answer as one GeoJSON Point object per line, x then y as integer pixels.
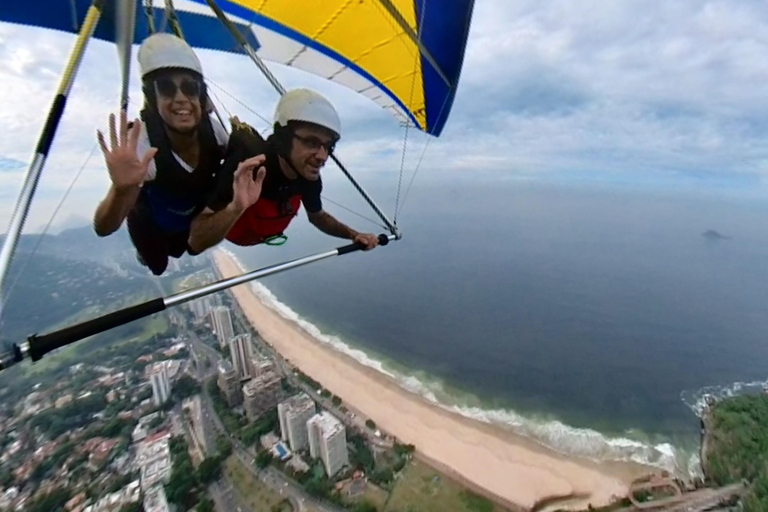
{"type": "Point", "coordinates": [189, 87]}
{"type": "Point", "coordinates": [314, 143]}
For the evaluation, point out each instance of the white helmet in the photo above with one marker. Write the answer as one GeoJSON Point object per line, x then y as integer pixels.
{"type": "Point", "coordinates": [163, 50]}
{"type": "Point", "coordinates": [308, 106]}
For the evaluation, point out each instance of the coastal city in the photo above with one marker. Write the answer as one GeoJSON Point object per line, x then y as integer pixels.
{"type": "Point", "coordinates": [383, 256]}
{"type": "Point", "coordinates": [207, 415]}
{"type": "Point", "coordinates": [209, 392]}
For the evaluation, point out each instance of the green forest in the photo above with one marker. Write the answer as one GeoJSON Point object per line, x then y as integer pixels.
{"type": "Point", "coordinates": [737, 446]}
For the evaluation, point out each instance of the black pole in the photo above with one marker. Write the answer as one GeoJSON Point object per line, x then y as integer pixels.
{"type": "Point", "coordinates": [41, 345]}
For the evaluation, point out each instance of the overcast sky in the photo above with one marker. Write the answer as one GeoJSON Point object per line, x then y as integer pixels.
{"type": "Point", "coordinates": [582, 90]}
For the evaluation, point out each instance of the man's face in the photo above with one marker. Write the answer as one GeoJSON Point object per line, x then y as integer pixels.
{"type": "Point", "coordinates": [178, 101]}
{"type": "Point", "coordinates": [310, 150]}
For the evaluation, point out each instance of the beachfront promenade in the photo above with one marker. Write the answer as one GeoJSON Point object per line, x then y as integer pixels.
{"type": "Point", "coordinates": [509, 466]}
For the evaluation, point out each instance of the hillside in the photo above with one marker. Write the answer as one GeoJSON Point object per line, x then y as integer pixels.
{"type": "Point", "coordinates": [79, 243]}
{"type": "Point", "coordinates": [75, 275]}
{"type": "Point", "coordinates": [52, 289]}
{"type": "Point", "coordinates": [737, 446]}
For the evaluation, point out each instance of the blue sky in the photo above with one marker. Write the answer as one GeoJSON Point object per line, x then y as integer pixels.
{"type": "Point", "coordinates": [669, 91]}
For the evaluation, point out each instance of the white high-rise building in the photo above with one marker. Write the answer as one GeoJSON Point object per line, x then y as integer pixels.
{"type": "Point", "coordinates": [293, 415]}
{"type": "Point", "coordinates": [161, 385]}
{"type": "Point", "coordinates": [328, 440]}
{"type": "Point", "coordinates": [200, 308]}
{"type": "Point", "coordinates": [229, 383]}
{"type": "Point", "coordinates": [241, 350]}
{"type": "Point", "coordinates": [222, 324]}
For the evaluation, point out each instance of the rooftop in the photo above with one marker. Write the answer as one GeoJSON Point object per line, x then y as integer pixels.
{"type": "Point", "coordinates": [327, 423]}
{"type": "Point", "coordinates": [299, 402]}
{"type": "Point", "coordinates": [225, 366]}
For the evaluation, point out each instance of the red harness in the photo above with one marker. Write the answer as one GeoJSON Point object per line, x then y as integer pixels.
{"type": "Point", "coordinates": [262, 220]}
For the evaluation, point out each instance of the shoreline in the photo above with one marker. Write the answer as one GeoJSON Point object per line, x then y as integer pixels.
{"type": "Point", "coordinates": [502, 465]}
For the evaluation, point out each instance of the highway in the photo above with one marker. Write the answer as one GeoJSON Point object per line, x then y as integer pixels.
{"type": "Point", "coordinates": [223, 494]}
{"type": "Point", "coordinates": [211, 424]}
{"type": "Point", "coordinates": [695, 501]}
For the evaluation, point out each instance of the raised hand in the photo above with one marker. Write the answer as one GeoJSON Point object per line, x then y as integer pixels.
{"type": "Point", "coordinates": [126, 170]}
{"type": "Point", "coordinates": [246, 186]}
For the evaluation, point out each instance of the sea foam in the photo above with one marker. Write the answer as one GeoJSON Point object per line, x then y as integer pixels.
{"type": "Point", "coordinates": [552, 433]}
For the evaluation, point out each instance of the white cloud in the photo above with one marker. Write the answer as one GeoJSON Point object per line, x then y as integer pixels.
{"type": "Point", "coordinates": [591, 86]}
{"type": "Point", "coordinates": [630, 84]}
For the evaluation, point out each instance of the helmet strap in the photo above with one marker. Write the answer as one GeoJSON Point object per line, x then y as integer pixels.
{"type": "Point", "coordinates": [287, 160]}
{"type": "Point", "coordinates": [282, 140]}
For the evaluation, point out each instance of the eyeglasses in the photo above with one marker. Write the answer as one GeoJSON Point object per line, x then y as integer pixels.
{"type": "Point", "coordinates": [314, 143]}
{"type": "Point", "coordinates": [167, 87]}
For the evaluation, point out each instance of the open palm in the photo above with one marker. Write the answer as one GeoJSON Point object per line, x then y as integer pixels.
{"type": "Point", "coordinates": [125, 168]}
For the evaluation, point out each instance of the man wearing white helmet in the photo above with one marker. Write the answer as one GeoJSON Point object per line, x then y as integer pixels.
{"type": "Point", "coordinates": [306, 130]}
{"type": "Point", "coordinates": [164, 167]}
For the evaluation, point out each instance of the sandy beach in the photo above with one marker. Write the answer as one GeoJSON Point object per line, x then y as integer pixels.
{"type": "Point", "coordinates": [509, 466]}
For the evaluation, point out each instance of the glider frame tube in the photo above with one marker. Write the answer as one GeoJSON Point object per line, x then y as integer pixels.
{"type": "Point", "coordinates": [392, 227]}
{"type": "Point", "coordinates": [125, 22]}
{"type": "Point", "coordinates": [37, 346]}
{"type": "Point", "coordinates": [247, 48]}
{"type": "Point", "coordinates": [32, 177]}
{"type": "Point", "coordinates": [416, 38]}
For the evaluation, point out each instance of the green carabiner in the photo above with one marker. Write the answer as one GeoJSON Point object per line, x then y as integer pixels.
{"type": "Point", "coordinates": [273, 240]}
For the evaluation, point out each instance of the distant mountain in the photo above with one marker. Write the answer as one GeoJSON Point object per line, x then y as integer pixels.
{"type": "Point", "coordinates": [714, 235]}
{"type": "Point", "coordinates": [79, 243]}
{"type": "Point", "coordinates": [71, 222]}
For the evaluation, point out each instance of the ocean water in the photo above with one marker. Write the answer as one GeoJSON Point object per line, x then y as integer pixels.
{"type": "Point", "coordinates": [588, 314]}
